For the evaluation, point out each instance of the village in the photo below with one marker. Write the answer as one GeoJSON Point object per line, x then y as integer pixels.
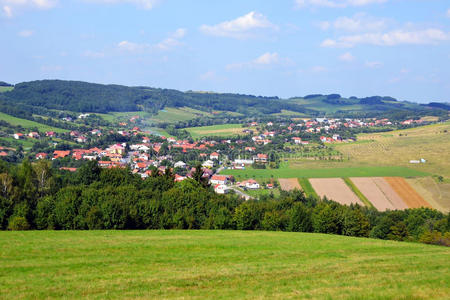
{"type": "Point", "coordinates": [261, 145]}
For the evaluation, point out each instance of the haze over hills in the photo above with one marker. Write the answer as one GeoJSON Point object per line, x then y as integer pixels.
{"type": "Point", "coordinates": [80, 96]}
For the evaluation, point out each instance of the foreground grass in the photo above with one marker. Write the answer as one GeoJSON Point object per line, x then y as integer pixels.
{"type": "Point", "coordinates": [217, 264]}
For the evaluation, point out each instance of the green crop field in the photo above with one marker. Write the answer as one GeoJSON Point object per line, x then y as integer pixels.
{"type": "Point", "coordinates": [216, 130]}
{"type": "Point", "coordinates": [286, 172]}
{"type": "Point", "coordinates": [28, 124]}
{"type": "Point", "coordinates": [307, 188]}
{"type": "Point", "coordinates": [217, 265]}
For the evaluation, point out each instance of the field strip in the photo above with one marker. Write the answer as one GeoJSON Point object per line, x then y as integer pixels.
{"type": "Point", "coordinates": [307, 188]}
{"type": "Point", "coordinates": [289, 184]}
{"type": "Point", "coordinates": [335, 189]}
{"type": "Point", "coordinates": [390, 194]}
{"type": "Point", "coordinates": [374, 194]}
{"type": "Point", "coordinates": [407, 193]}
{"type": "Point", "coordinates": [358, 192]}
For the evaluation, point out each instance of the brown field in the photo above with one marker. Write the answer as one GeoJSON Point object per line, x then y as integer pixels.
{"type": "Point", "coordinates": [437, 194]}
{"type": "Point", "coordinates": [406, 192]}
{"type": "Point", "coordinates": [373, 193]}
{"type": "Point", "coordinates": [334, 189]}
{"type": "Point", "coordinates": [289, 184]}
{"type": "Point", "coordinates": [390, 193]}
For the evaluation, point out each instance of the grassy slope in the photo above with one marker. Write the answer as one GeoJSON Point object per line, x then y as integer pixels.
{"type": "Point", "coordinates": [172, 115]}
{"type": "Point", "coordinates": [286, 172]}
{"type": "Point", "coordinates": [390, 149]}
{"type": "Point", "coordinates": [216, 130]}
{"type": "Point", "coordinates": [28, 124]}
{"type": "Point", "coordinates": [217, 265]}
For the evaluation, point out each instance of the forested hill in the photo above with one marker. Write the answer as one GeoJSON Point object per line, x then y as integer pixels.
{"type": "Point", "coordinates": [89, 97]}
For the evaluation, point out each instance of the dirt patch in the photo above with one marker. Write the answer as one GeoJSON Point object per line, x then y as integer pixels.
{"type": "Point", "coordinates": [289, 184]}
{"type": "Point", "coordinates": [335, 189]}
{"type": "Point", "coordinates": [406, 192]}
{"type": "Point", "coordinates": [437, 194]}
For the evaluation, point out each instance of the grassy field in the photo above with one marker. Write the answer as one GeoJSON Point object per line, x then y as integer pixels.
{"type": "Point", "coordinates": [172, 115]}
{"type": "Point", "coordinates": [28, 124]}
{"type": "Point", "coordinates": [307, 187]}
{"type": "Point", "coordinates": [397, 148]}
{"type": "Point", "coordinates": [6, 88]}
{"type": "Point", "coordinates": [217, 265]}
{"type": "Point", "coordinates": [287, 172]}
{"type": "Point", "coordinates": [216, 130]}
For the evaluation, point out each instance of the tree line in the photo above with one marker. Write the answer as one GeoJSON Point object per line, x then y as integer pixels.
{"type": "Point", "coordinates": [37, 196]}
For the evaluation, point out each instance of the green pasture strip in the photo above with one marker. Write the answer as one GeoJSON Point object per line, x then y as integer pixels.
{"type": "Point", "coordinates": [308, 188]}
{"type": "Point", "coordinates": [357, 192]}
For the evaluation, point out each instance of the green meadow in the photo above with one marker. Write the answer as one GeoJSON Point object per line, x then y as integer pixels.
{"type": "Point", "coordinates": [6, 89]}
{"type": "Point", "coordinates": [217, 265]}
{"type": "Point", "coordinates": [287, 172]}
{"type": "Point", "coordinates": [216, 130]}
{"type": "Point", "coordinates": [28, 124]}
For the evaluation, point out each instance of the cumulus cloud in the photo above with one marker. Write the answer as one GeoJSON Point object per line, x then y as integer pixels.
{"type": "Point", "coordinates": [26, 33]}
{"type": "Point", "coordinates": [265, 59]}
{"type": "Point", "coordinates": [145, 4]}
{"type": "Point", "coordinates": [335, 3]}
{"type": "Point", "coordinates": [392, 38]}
{"type": "Point", "coordinates": [172, 41]}
{"type": "Point", "coordinates": [243, 27]}
{"type": "Point", "coordinates": [10, 7]}
{"type": "Point", "coordinates": [347, 57]}
{"type": "Point", "coordinates": [359, 22]}
{"type": "Point", "coordinates": [373, 64]}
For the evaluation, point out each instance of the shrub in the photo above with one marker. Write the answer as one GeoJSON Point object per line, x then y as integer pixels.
{"type": "Point", "coordinates": [18, 223]}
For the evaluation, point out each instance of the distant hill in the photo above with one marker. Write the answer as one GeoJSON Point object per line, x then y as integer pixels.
{"type": "Point", "coordinates": [80, 96]}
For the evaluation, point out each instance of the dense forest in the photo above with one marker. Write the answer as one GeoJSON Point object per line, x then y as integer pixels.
{"type": "Point", "coordinates": [45, 96]}
{"type": "Point", "coordinates": [37, 196]}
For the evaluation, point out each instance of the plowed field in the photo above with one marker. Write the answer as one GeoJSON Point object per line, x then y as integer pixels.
{"type": "Point", "coordinates": [289, 184]}
{"type": "Point", "coordinates": [335, 189]}
{"type": "Point", "coordinates": [406, 192]}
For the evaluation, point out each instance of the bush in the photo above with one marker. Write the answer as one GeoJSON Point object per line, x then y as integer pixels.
{"type": "Point", "coordinates": [18, 223]}
{"type": "Point", "coordinates": [435, 238]}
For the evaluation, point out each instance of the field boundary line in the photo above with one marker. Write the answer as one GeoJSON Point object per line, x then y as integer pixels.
{"type": "Point", "coordinates": [357, 192]}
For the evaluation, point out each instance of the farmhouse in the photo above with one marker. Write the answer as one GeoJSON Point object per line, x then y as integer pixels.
{"type": "Point", "coordinates": [221, 189]}
{"type": "Point", "coordinates": [214, 155]}
{"type": "Point", "coordinates": [33, 135]}
{"type": "Point", "coordinates": [180, 164]}
{"type": "Point", "coordinates": [18, 136]}
{"type": "Point", "coordinates": [260, 158]}
{"type": "Point", "coordinates": [297, 140]}
{"type": "Point", "coordinates": [41, 155]}
{"type": "Point", "coordinates": [251, 184]}
{"type": "Point", "coordinates": [220, 179]}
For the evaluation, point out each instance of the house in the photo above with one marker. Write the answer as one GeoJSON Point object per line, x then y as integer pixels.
{"type": "Point", "coordinates": [3, 154]}
{"type": "Point", "coordinates": [221, 189]}
{"type": "Point", "coordinates": [254, 124]}
{"type": "Point", "coordinates": [297, 140]}
{"type": "Point", "coordinates": [60, 154]}
{"type": "Point", "coordinates": [220, 179]}
{"type": "Point", "coordinates": [214, 155]}
{"type": "Point", "coordinates": [18, 136]}
{"type": "Point", "coordinates": [261, 158]}
{"type": "Point", "coordinates": [250, 149]}
{"type": "Point", "coordinates": [251, 184]}
{"type": "Point", "coordinates": [208, 164]}
{"type": "Point", "coordinates": [41, 155]}
{"type": "Point", "coordinates": [81, 139]}
{"type": "Point", "coordinates": [50, 134]}
{"type": "Point", "coordinates": [33, 135]}
{"type": "Point", "coordinates": [68, 169]}
{"type": "Point", "coordinates": [179, 178]}
{"type": "Point", "coordinates": [116, 149]}
{"type": "Point", "coordinates": [83, 116]}
{"type": "Point", "coordinates": [269, 124]}
{"type": "Point", "coordinates": [96, 132]}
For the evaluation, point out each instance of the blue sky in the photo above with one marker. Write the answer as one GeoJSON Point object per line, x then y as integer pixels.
{"type": "Point", "coordinates": [285, 48]}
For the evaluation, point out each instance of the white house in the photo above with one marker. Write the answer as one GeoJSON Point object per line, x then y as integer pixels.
{"type": "Point", "coordinates": [219, 179]}
{"type": "Point", "coordinates": [208, 164]}
{"type": "Point", "coordinates": [221, 189]}
{"type": "Point", "coordinates": [252, 184]}
{"type": "Point", "coordinates": [180, 164]}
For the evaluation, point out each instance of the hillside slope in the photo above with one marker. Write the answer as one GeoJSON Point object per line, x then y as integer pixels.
{"type": "Point", "coordinates": [89, 97]}
{"type": "Point", "coordinates": [217, 265]}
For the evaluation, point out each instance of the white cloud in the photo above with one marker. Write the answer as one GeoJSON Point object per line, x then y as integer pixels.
{"type": "Point", "coordinates": [335, 3]}
{"type": "Point", "coordinates": [9, 7]}
{"type": "Point", "coordinates": [145, 4]}
{"type": "Point", "coordinates": [318, 69]}
{"type": "Point", "coordinates": [265, 59]}
{"type": "Point", "coordinates": [392, 38]}
{"type": "Point", "coordinates": [347, 57]}
{"type": "Point", "coordinates": [93, 54]}
{"type": "Point", "coordinates": [173, 40]}
{"type": "Point", "coordinates": [448, 13]}
{"type": "Point", "coordinates": [373, 64]}
{"type": "Point", "coordinates": [26, 33]}
{"type": "Point", "coordinates": [210, 75]}
{"type": "Point", "coordinates": [359, 22]}
{"type": "Point", "coordinates": [240, 28]}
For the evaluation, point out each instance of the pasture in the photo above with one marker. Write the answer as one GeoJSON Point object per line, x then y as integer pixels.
{"type": "Point", "coordinates": [173, 115]}
{"type": "Point", "coordinates": [28, 124]}
{"type": "Point", "coordinates": [287, 172]}
{"type": "Point", "coordinates": [217, 265]}
{"type": "Point", "coordinates": [437, 194]}
{"type": "Point", "coordinates": [216, 130]}
{"type": "Point", "coordinates": [397, 148]}
{"type": "Point", "coordinates": [6, 89]}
